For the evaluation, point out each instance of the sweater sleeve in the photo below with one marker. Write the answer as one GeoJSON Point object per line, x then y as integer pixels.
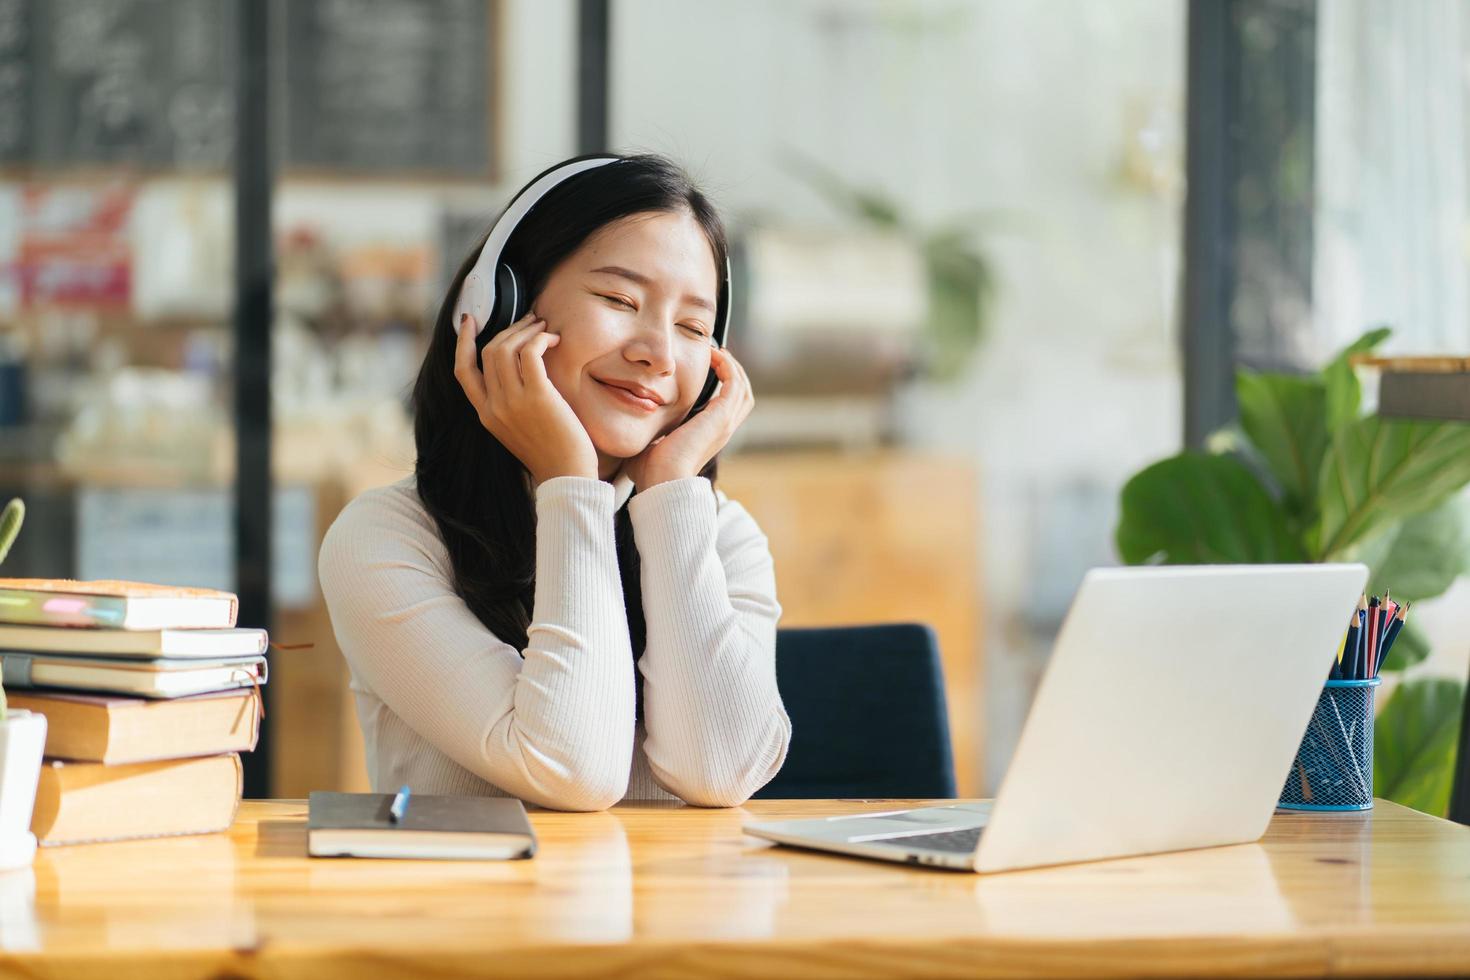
{"type": "Point", "coordinates": [552, 725]}
{"type": "Point", "coordinates": [716, 728]}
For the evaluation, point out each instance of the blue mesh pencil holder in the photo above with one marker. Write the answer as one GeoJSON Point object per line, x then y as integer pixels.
{"type": "Point", "coordinates": [1333, 769]}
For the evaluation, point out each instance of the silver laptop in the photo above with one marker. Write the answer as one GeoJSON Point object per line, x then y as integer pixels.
{"type": "Point", "coordinates": [1167, 719]}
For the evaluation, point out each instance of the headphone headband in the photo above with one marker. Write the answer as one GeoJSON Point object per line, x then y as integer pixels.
{"type": "Point", "coordinates": [477, 295]}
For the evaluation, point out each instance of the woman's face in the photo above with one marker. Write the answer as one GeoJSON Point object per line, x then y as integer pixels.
{"type": "Point", "coordinates": [635, 308]}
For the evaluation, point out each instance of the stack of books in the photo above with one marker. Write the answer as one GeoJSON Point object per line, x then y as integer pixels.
{"type": "Point", "coordinates": [150, 693]}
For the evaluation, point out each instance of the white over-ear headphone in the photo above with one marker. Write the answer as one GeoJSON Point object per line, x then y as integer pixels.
{"type": "Point", "coordinates": [492, 287]}
{"type": "Point", "coordinates": [496, 295]}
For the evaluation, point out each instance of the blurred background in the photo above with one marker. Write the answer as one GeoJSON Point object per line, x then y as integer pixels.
{"type": "Point", "coordinates": [993, 259]}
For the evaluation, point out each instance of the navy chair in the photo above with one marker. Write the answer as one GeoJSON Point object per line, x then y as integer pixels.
{"type": "Point", "coordinates": [868, 717]}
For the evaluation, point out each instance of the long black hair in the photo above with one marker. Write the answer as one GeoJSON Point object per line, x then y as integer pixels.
{"type": "Point", "coordinates": [477, 491]}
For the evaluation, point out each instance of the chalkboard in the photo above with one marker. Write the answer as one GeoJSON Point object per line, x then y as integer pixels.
{"type": "Point", "coordinates": [376, 85]}
{"type": "Point", "coordinates": [359, 86]}
{"type": "Point", "coordinates": [15, 81]}
{"type": "Point", "coordinates": [145, 82]}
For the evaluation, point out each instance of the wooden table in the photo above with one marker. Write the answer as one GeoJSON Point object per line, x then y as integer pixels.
{"type": "Point", "coordinates": [651, 890]}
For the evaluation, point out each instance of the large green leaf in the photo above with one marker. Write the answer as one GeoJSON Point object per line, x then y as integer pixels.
{"type": "Point", "coordinates": [1419, 557]}
{"type": "Point", "coordinates": [1414, 744]}
{"type": "Point", "coordinates": [1286, 419]}
{"type": "Point", "coordinates": [1344, 394]}
{"type": "Point", "coordinates": [1199, 509]}
{"type": "Point", "coordinates": [1380, 470]}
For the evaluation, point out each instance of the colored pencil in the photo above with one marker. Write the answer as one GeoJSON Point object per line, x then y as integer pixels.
{"type": "Point", "coordinates": [1393, 634]}
{"type": "Point", "coordinates": [1372, 637]}
{"type": "Point", "coordinates": [1360, 650]}
{"type": "Point", "coordinates": [1390, 609]}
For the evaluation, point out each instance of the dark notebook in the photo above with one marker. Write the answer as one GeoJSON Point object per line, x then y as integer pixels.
{"type": "Point", "coordinates": [443, 827]}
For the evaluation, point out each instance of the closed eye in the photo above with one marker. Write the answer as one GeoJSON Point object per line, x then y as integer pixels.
{"type": "Point", "coordinates": [693, 329]}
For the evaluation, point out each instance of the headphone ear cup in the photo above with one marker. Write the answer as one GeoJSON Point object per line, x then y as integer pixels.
{"type": "Point", "coordinates": [510, 301]}
{"type": "Point", "coordinates": [706, 393]}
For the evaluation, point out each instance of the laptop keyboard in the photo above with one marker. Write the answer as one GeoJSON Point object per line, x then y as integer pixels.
{"type": "Point", "coordinates": [951, 841]}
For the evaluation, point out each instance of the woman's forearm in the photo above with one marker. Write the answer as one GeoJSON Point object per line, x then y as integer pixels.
{"type": "Point", "coordinates": [716, 728]}
{"type": "Point", "coordinates": [574, 702]}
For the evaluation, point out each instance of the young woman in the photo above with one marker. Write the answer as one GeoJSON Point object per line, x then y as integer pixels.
{"type": "Point", "coordinates": [558, 605]}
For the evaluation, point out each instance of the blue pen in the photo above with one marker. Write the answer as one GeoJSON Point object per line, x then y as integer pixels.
{"type": "Point", "coordinates": [400, 805]}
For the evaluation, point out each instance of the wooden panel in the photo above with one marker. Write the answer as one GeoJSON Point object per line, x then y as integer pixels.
{"type": "Point", "coordinates": [878, 537]}
{"type": "Point", "coordinates": [647, 890]}
{"type": "Point", "coordinates": [315, 741]}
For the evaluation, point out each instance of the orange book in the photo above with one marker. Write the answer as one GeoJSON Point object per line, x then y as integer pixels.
{"type": "Point", "coordinates": [80, 802]}
{"type": "Point", "coordinates": [114, 604]}
{"type": "Point", "coordinates": [117, 730]}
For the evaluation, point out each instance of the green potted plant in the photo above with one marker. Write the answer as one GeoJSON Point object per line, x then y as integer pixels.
{"type": "Point", "coordinates": [1306, 477]}
{"type": "Point", "coordinates": [22, 743]}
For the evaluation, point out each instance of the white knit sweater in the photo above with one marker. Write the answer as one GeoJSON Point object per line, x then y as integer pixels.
{"type": "Point", "coordinates": [448, 708]}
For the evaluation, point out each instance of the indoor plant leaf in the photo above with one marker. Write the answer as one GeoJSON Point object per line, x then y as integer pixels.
{"type": "Point", "coordinates": [1286, 420]}
{"type": "Point", "coordinates": [1344, 394]}
{"type": "Point", "coordinates": [1419, 557]}
{"type": "Point", "coordinates": [870, 206]}
{"type": "Point", "coordinates": [959, 285]}
{"type": "Point", "coordinates": [1379, 470]}
{"type": "Point", "coordinates": [1200, 509]}
{"type": "Point", "coordinates": [1414, 744]}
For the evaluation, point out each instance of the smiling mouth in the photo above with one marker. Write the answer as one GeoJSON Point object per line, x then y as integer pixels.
{"type": "Point", "coordinates": [628, 398]}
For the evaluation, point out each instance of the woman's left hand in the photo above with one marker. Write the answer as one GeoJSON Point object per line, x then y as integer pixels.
{"type": "Point", "coordinates": [685, 451]}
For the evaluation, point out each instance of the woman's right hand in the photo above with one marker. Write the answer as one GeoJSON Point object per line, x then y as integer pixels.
{"type": "Point", "coordinates": [518, 404]}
